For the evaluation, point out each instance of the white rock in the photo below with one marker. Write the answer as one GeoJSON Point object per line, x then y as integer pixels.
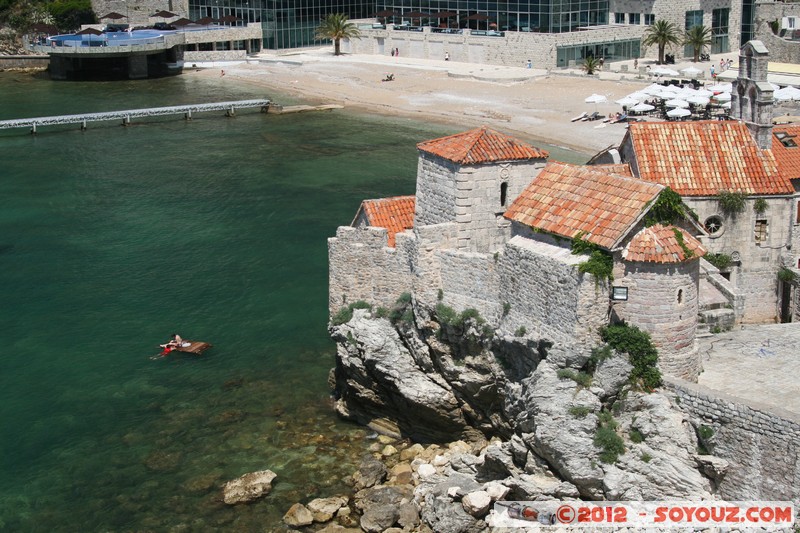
{"type": "Point", "coordinates": [389, 450]}
{"type": "Point", "coordinates": [323, 509]}
{"type": "Point", "coordinates": [426, 470]}
{"type": "Point", "coordinates": [496, 491]}
{"type": "Point", "coordinates": [298, 515]}
{"type": "Point", "coordinates": [453, 491]}
{"type": "Point", "coordinates": [476, 503]}
{"type": "Point", "coordinates": [248, 487]}
{"type": "Point", "coordinates": [440, 460]}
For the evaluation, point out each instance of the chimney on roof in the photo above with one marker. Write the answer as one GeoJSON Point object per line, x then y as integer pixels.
{"type": "Point", "coordinates": [751, 97]}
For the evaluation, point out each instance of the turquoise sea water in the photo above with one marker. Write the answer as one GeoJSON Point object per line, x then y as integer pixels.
{"type": "Point", "coordinates": [112, 239]}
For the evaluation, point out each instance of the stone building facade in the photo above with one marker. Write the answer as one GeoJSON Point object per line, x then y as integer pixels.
{"type": "Point", "coordinates": [485, 237]}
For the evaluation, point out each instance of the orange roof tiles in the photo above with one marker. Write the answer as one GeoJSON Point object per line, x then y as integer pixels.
{"type": "Point", "coordinates": [659, 244]}
{"type": "Point", "coordinates": [623, 169]}
{"type": "Point", "coordinates": [567, 200]}
{"type": "Point", "coordinates": [396, 214]}
{"type": "Point", "coordinates": [788, 158]}
{"type": "Point", "coordinates": [702, 158]}
{"type": "Point", "coordinates": [481, 145]}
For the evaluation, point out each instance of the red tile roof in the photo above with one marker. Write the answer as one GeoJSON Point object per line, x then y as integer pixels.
{"type": "Point", "coordinates": [396, 214]}
{"type": "Point", "coordinates": [567, 200]}
{"type": "Point", "coordinates": [788, 158]}
{"type": "Point", "coordinates": [659, 244]}
{"type": "Point", "coordinates": [702, 158]}
{"type": "Point", "coordinates": [623, 169]}
{"type": "Point", "coordinates": [481, 145]}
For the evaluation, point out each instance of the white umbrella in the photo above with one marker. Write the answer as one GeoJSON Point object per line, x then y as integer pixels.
{"type": "Point", "coordinates": [698, 100]}
{"type": "Point", "coordinates": [676, 103]}
{"type": "Point", "coordinates": [642, 108]}
{"type": "Point", "coordinates": [723, 97]}
{"type": "Point", "coordinates": [721, 87]}
{"type": "Point", "coordinates": [678, 112]}
{"type": "Point", "coordinates": [595, 99]}
{"type": "Point", "coordinates": [639, 96]}
{"type": "Point", "coordinates": [691, 71]}
{"type": "Point", "coordinates": [726, 105]}
{"type": "Point", "coordinates": [787, 93]}
{"type": "Point", "coordinates": [775, 86]}
{"type": "Point", "coordinates": [703, 92]}
{"type": "Point", "coordinates": [627, 101]}
{"type": "Point", "coordinates": [664, 71]}
{"type": "Point", "coordinates": [653, 89]}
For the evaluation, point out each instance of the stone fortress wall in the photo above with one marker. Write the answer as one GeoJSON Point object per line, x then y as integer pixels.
{"type": "Point", "coordinates": [780, 49]}
{"type": "Point", "coordinates": [760, 442]}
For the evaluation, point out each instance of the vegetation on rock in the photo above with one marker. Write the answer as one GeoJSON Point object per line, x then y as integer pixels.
{"type": "Point", "coordinates": [641, 353]}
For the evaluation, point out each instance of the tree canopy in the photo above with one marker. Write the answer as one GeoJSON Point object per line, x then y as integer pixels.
{"type": "Point", "coordinates": [661, 33]}
{"type": "Point", "coordinates": [698, 37]}
{"type": "Point", "coordinates": [336, 26]}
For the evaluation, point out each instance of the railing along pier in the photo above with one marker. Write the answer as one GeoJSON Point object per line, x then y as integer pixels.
{"type": "Point", "coordinates": [126, 115]}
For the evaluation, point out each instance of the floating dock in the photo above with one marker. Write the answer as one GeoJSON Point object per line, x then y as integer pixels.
{"type": "Point", "coordinates": [126, 115]}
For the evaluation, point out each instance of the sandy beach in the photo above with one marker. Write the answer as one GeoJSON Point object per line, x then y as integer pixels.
{"type": "Point", "coordinates": [528, 103]}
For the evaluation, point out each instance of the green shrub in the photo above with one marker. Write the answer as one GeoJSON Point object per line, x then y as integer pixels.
{"type": "Point", "coordinates": [687, 253]}
{"type": "Point", "coordinates": [721, 261]}
{"type": "Point", "coordinates": [731, 203]}
{"type": "Point", "coordinates": [641, 353]}
{"type": "Point", "coordinates": [607, 439]}
{"type": "Point", "coordinates": [600, 263]}
{"type": "Point", "coordinates": [598, 354]}
{"type": "Point", "coordinates": [381, 312]}
{"type": "Point", "coordinates": [646, 457]}
{"type": "Point", "coordinates": [705, 432]}
{"type": "Point", "coordinates": [667, 209]}
{"type": "Point", "coordinates": [446, 314]}
{"type": "Point", "coordinates": [506, 308]}
{"type": "Point", "coordinates": [402, 311]}
{"type": "Point", "coordinates": [786, 275]}
{"type": "Point", "coordinates": [521, 331]}
{"type": "Point", "coordinates": [635, 435]}
{"type": "Point", "coordinates": [579, 411]}
{"type": "Point", "coordinates": [760, 205]}
{"type": "Point", "coordinates": [343, 316]}
{"type": "Point", "coordinates": [440, 295]}
{"type": "Point", "coordinates": [581, 378]}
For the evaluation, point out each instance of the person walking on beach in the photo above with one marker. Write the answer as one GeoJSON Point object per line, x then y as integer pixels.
{"type": "Point", "coordinates": [392, 52]}
{"type": "Point", "coordinates": [636, 64]}
{"type": "Point", "coordinates": [530, 64]}
{"type": "Point", "coordinates": [397, 52]}
{"type": "Point", "coordinates": [447, 56]}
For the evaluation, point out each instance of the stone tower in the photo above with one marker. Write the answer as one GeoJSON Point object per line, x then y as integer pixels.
{"type": "Point", "coordinates": [660, 274]}
{"type": "Point", "coordinates": [470, 179]}
{"type": "Point", "coordinates": [751, 100]}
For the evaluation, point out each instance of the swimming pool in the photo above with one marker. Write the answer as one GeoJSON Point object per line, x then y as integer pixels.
{"type": "Point", "coordinates": [116, 38]}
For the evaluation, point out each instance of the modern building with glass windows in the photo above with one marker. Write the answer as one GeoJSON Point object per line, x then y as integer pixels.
{"type": "Point", "coordinates": [571, 30]}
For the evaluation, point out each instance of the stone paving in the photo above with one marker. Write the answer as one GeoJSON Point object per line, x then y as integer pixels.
{"type": "Point", "coordinates": [755, 362]}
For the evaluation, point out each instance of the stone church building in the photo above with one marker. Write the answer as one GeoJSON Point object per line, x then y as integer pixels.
{"type": "Point", "coordinates": [492, 225]}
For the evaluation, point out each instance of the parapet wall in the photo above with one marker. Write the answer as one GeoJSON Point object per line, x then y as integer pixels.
{"type": "Point", "coordinates": [761, 443]}
{"type": "Point", "coordinates": [780, 49]}
{"type": "Point", "coordinates": [363, 267]}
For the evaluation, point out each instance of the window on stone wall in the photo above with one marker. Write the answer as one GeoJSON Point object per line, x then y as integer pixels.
{"type": "Point", "coordinates": [649, 19]}
{"type": "Point", "coordinates": [713, 225]}
{"type": "Point", "coordinates": [503, 193]}
{"type": "Point", "coordinates": [634, 18]}
{"type": "Point", "coordinates": [797, 215]}
{"type": "Point", "coordinates": [680, 296]}
{"type": "Point", "coordinates": [619, 18]}
{"type": "Point", "coordinates": [761, 231]}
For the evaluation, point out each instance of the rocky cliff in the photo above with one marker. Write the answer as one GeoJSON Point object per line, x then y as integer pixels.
{"type": "Point", "coordinates": [571, 425]}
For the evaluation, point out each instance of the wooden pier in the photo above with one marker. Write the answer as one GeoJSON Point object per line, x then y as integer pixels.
{"type": "Point", "coordinates": [126, 115]}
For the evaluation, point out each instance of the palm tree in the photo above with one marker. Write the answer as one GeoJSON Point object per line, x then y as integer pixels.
{"type": "Point", "coordinates": [336, 27]}
{"type": "Point", "coordinates": [590, 64]}
{"type": "Point", "coordinates": [661, 33]}
{"type": "Point", "coordinates": [698, 37]}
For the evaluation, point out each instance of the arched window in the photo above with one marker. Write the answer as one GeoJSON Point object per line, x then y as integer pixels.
{"type": "Point", "coordinates": [680, 296]}
{"type": "Point", "coordinates": [503, 193]}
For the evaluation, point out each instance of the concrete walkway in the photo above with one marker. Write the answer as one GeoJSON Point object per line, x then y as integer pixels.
{"type": "Point", "coordinates": [759, 363]}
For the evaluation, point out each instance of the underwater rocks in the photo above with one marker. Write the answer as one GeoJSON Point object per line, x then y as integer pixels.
{"type": "Point", "coordinates": [249, 487]}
